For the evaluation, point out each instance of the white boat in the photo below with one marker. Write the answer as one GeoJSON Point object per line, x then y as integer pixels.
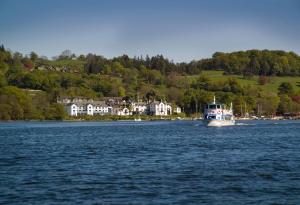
{"type": "Point", "coordinates": [137, 119]}
{"type": "Point", "coordinates": [216, 115]}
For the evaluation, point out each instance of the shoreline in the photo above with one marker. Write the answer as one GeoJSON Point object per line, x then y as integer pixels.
{"type": "Point", "coordinates": [145, 120]}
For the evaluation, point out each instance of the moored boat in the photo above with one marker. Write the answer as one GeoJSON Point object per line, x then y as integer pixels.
{"type": "Point", "coordinates": [216, 115]}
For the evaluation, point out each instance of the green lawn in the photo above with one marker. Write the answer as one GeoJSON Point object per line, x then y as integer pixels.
{"type": "Point", "coordinates": [272, 86]}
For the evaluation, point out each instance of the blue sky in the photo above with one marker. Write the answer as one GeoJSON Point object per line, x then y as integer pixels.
{"type": "Point", "coordinates": [180, 30]}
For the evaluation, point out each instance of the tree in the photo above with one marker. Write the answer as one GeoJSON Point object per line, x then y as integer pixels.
{"type": "Point", "coordinates": [106, 70]}
{"type": "Point", "coordinates": [81, 57]}
{"type": "Point", "coordinates": [121, 92]}
{"type": "Point", "coordinates": [33, 56]}
{"type": "Point", "coordinates": [234, 85]}
{"type": "Point", "coordinates": [3, 67]}
{"type": "Point", "coordinates": [94, 64]}
{"type": "Point", "coordinates": [103, 86]}
{"type": "Point", "coordinates": [56, 112]}
{"type": "Point", "coordinates": [66, 54]}
{"type": "Point", "coordinates": [2, 80]}
{"type": "Point", "coordinates": [17, 60]}
{"type": "Point", "coordinates": [225, 97]}
{"type": "Point", "coordinates": [150, 96]}
{"type": "Point", "coordinates": [286, 88]}
{"type": "Point", "coordinates": [152, 76]}
{"type": "Point", "coordinates": [20, 106]}
{"type": "Point", "coordinates": [5, 111]}
{"type": "Point", "coordinates": [203, 82]}
{"type": "Point", "coordinates": [175, 95]}
{"type": "Point", "coordinates": [285, 105]}
{"type": "Point", "coordinates": [117, 68]}
{"type": "Point", "coordinates": [195, 100]}
{"type": "Point", "coordinates": [239, 105]}
{"type": "Point", "coordinates": [267, 105]}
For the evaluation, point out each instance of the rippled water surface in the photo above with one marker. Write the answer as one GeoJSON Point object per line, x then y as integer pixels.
{"type": "Point", "coordinates": [149, 163]}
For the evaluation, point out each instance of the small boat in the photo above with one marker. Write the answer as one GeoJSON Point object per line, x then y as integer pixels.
{"type": "Point", "coordinates": [137, 119]}
{"type": "Point", "coordinates": [216, 115]}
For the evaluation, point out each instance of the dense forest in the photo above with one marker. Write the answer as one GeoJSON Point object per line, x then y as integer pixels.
{"type": "Point", "coordinates": [30, 84]}
{"type": "Point", "coordinates": [254, 62]}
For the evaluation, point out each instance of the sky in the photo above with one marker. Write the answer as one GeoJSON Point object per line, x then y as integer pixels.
{"type": "Point", "coordinates": [181, 30]}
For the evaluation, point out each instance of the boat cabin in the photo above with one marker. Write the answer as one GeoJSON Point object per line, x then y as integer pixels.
{"type": "Point", "coordinates": [213, 106]}
{"type": "Point", "coordinates": [217, 111]}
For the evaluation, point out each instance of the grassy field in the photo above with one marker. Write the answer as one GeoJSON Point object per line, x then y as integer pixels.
{"type": "Point", "coordinates": [271, 86]}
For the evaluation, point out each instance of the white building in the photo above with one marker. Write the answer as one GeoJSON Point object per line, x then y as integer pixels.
{"type": "Point", "coordinates": [72, 109]}
{"type": "Point", "coordinates": [115, 106]}
{"type": "Point", "coordinates": [78, 106]}
{"type": "Point", "coordinates": [139, 108]}
{"type": "Point", "coordinates": [122, 111]}
{"type": "Point", "coordinates": [160, 108]}
{"type": "Point", "coordinates": [101, 108]}
{"type": "Point", "coordinates": [177, 110]}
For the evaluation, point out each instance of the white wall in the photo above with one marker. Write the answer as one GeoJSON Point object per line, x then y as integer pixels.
{"type": "Point", "coordinates": [89, 110]}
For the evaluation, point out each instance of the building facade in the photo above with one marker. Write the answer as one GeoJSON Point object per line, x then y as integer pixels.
{"type": "Point", "coordinates": [78, 106]}
{"type": "Point", "coordinates": [160, 108]}
{"type": "Point", "coordinates": [139, 108]}
{"type": "Point", "coordinates": [116, 106]}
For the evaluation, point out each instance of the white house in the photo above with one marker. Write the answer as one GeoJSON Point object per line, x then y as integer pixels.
{"type": "Point", "coordinates": [139, 108]}
{"type": "Point", "coordinates": [101, 108]}
{"type": "Point", "coordinates": [160, 108]}
{"type": "Point", "coordinates": [77, 106]}
{"type": "Point", "coordinates": [89, 109]}
{"type": "Point", "coordinates": [115, 106]}
{"type": "Point", "coordinates": [72, 109]}
{"type": "Point", "coordinates": [122, 111]}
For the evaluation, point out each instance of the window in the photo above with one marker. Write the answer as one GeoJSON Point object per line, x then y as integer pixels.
{"type": "Point", "coordinates": [212, 106]}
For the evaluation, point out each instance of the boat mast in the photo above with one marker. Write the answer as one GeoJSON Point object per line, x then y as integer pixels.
{"type": "Point", "coordinates": [196, 106]}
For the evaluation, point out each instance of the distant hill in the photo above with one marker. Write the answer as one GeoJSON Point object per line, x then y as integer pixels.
{"type": "Point", "coordinates": [254, 62]}
{"type": "Point", "coordinates": [269, 84]}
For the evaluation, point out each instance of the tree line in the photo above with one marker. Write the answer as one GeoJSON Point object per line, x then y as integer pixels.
{"type": "Point", "coordinates": [254, 62]}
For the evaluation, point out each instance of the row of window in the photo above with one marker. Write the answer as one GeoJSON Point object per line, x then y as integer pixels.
{"type": "Point", "coordinates": [213, 106]}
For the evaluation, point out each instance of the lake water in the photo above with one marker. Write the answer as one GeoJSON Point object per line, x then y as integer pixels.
{"type": "Point", "coordinates": [162, 162]}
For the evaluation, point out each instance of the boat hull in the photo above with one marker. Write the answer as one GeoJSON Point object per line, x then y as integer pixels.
{"type": "Point", "coordinates": [219, 123]}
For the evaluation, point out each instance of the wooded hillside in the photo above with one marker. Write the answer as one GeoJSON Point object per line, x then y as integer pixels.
{"type": "Point", "coordinates": [30, 84]}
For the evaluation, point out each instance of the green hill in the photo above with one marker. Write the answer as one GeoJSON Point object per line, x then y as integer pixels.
{"type": "Point", "coordinates": [271, 86]}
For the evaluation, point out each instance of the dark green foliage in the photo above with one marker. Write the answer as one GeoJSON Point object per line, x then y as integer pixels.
{"type": "Point", "coordinates": [2, 80]}
{"type": "Point", "coordinates": [95, 64]}
{"type": "Point", "coordinates": [254, 62]}
{"type": "Point", "coordinates": [55, 112]}
{"type": "Point", "coordinates": [285, 105]}
{"type": "Point", "coordinates": [16, 101]}
{"type": "Point", "coordinates": [286, 88]}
